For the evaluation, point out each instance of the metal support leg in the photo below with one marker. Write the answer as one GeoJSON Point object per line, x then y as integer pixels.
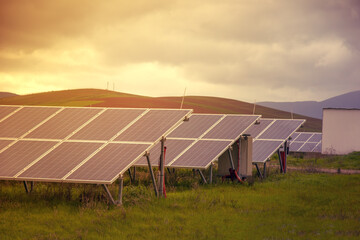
{"type": "Point", "coordinates": [280, 161]}
{"type": "Point", "coordinates": [162, 168]}
{"type": "Point", "coordinates": [202, 176]}
{"type": "Point", "coordinates": [130, 175]}
{"type": "Point", "coordinates": [211, 174]}
{"type": "Point", "coordinates": [109, 194]}
{"type": "Point", "coordinates": [285, 156]}
{"type": "Point", "coordinates": [152, 176]}
{"type": "Point", "coordinates": [134, 176]}
{"type": "Point", "coordinates": [258, 171]}
{"type": "Point", "coordinates": [231, 159]}
{"type": "Point", "coordinates": [264, 174]}
{"type": "Point", "coordinates": [112, 200]}
{"type": "Point", "coordinates": [26, 187]}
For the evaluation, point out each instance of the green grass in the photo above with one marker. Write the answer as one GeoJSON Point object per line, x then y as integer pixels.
{"type": "Point", "coordinates": [292, 206]}
{"type": "Point", "coordinates": [350, 161]}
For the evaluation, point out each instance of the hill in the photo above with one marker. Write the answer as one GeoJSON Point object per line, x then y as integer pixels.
{"type": "Point", "coordinates": [313, 108]}
{"type": "Point", "coordinates": [105, 98]}
{"type": "Point", "coordinates": [7, 94]}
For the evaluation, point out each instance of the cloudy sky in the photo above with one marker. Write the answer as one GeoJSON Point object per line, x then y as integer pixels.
{"type": "Point", "coordinates": [276, 50]}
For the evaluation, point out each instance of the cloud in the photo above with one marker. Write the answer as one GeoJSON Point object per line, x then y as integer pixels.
{"type": "Point", "coordinates": [310, 49]}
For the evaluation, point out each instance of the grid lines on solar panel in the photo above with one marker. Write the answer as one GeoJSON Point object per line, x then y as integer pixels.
{"type": "Point", "coordinates": [6, 110]}
{"type": "Point", "coordinates": [108, 124]}
{"type": "Point", "coordinates": [294, 136]}
{"type": "Point", "coordinates": [317, 148]}
{"type": "Point", "coordinates": [152, 125]}
{"type": "Point", "coordinates": [263, 149]}
{"type": "Point", "coordinates": [307, 147]}
{"type": "Point", "coordinates": [295, 146]}
{"type": "Point", "coordinates": [60, 161]}
{"type": "Point", "coordinates": [231, 127]}
{"type": "Point", "coordinates": [106, 165]}
{"type": "Point", "coordinates": [24, 120]}
{"type": "Point", "coordinates": [201, 154]}
{"type": "Point", "coordinates": [20, 155]}
{"type": "Point", "coordinates": [255, 129]}
{"type": "Point", "coordinates": [281, 129]}
{"type": "Point", "coordinates": [317, 137]}
{"type": "Point", "coordinates": [303, 137]}
{"type": "Point", "coordinates": [195, 127]}
{"type": "Point", "coordinates": [63, 123]}
{"type": "Point", "coordinates": [173, 148]}
{"type": "Point", "coordinates": [4, 143]}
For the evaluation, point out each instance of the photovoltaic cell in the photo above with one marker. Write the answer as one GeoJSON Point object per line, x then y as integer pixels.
{"type": "Point", "coordinates": [256, 129]}
{"type": "Point", "coordinates": [20, 155]}
{"type": "Point", "coordinates": [231, 127]}
{"type": "Point", "coordinates": [201, 154]}
{"type": "Point", "coordinates": [307, 147]}
{"type": "Point", "coordinates": [6, 110]}
{"type": "Point", "coordinates": [64, 123]}
{"type": "Point", "coordinates": [317, 148]}
{"type": "Point", "coordinates": [60, 161]}
{"type": "Point", "coordinates": [108, 124]}
{"type": "Point", "coordinates": [303, 137]}
{"type": "Point", "coordinates": [195, 127]}
{"type": "Point", "coordinates": [263, 149]}
{"type": "Point", "coordinates": [24, 120]}
{"type": "Point", "coordinates": [109, 163]}
{"type": "Point", "coordinates": [317, 137]}
{"type": "Point", "coordinates": [294, 136]}
{"type": "Point", "coordinates": [173, 148]}
{"type": "Point", "coordinates": [295, 146]}
{"type": "Point", "coordinates": [4, 143]}
{"type": "Point", "coordinates": [152, 125]}
{"type": "Point", "coordinates": [281, 129]}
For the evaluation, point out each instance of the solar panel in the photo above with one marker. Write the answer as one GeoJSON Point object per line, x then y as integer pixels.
{"type": "Point", "coordinates": [6, 110]}
{"type": "Point", "coordinates": [295, 146]}
{"type": "Point", "coordinates": [24, 120]}
{"type": "Point", "coordinates": [153, 124]}
{"type": "Point", "coordinates": [294, 136]}
{"type": "Point", "coordinates": [78, 144]}
{"type": "Point", "coordinates": [231, 127]}
{"type": "Point", "coordinates": [308, 147]}
{"type": "Point", "coordinates": [60, 161]}
{"type": "Point", "coordinates": [198, 126]}
{"type": "Point", "coordinates": [256, 129]}
{"type": "Point", "coordinates": [275, 131]}
{"type": "Point", "coordinates": [306, 142]}
{"type": "Point", "coordinates": [4, 143]}
{"type": "Point", "coordinates": [281, 129]}
{"type": "Point", "coordinates": [213, 132]}
{"type": "Point", "coordinates": [264, 149]}
{"type": "Point", "coordinates": [201, 154]}
{"type": "Point", "coordinates": [109, 163]}
{"type": "Point", "coordinates": [64, 123]}
{"type": "Point", "coordinates": [99, 128]}
{"type": "Point", "coordinates": [174, 147]}
{"type": "Point", "coordinates": [20, 155]}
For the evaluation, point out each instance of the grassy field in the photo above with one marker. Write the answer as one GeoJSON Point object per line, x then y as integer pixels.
{"type": "Point", "coordinates": [311, 160]}
{"type": "Point", "coordinates": [292, 206]}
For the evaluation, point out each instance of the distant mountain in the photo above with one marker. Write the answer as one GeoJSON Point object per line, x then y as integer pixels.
{"type": "Point", "coordinates": [313, 108]}
{"type": "Point", "coordinates": [7, 94]}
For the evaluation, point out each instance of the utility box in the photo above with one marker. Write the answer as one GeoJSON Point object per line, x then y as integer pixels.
{"type": "Point", "coordinates": [242, 159]}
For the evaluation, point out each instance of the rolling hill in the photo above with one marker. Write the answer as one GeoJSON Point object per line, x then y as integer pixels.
{"type": "Point", "coordinates": [313, 108]}
{"type": "Point", "coordinates": [7, 94]}
{"type": "Point", "coordinates": [105, 98]}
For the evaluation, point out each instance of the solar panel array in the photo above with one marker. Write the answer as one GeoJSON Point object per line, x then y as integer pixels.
{"type": "Point", "coordinates": [68, 144]}
{"type": "Point", "coordinates": [269, 135]}
{"type": "Point", "coordinates": [201, 140]}
{"type": "Point", "coordinates": [306, 142]}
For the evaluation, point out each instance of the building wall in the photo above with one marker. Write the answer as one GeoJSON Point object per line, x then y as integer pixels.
{"type": "Point", "coordinates": [341, 131]}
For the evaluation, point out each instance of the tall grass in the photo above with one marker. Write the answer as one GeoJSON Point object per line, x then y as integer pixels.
{"type": "Point", "coordinates": [293, 206]}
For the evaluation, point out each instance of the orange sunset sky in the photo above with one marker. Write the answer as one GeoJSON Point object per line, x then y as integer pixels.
{"type": "Point", "coordinates": [276, 50]}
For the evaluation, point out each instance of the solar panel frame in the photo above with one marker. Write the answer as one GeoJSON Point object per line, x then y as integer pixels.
{"type": "Point", "coordinates": [7, 111]}
{"type": "Point", "coordinates": [277, 124]}
{"type": "Point", "coordinates": [276, 145]}
{"type": "Point", "coordinates": [315, 138]}
{"type": "Point", "coordinates": [308, 147]}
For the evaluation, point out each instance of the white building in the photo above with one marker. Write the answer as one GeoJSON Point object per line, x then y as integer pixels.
{"type": "Point", "coordinates": [341, 131]}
